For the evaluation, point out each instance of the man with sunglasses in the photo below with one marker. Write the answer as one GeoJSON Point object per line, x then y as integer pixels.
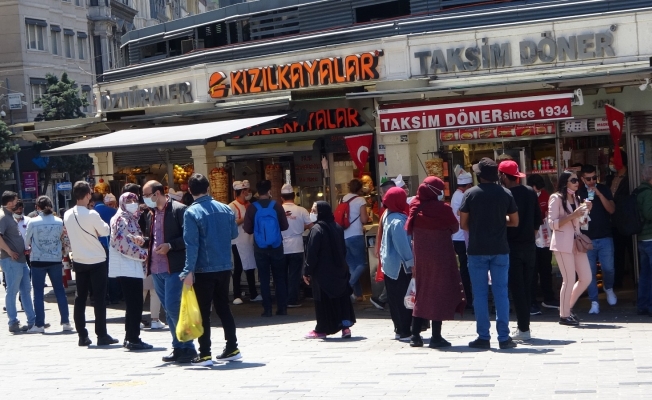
{"type": "Point", "coordinates": [600, 233]}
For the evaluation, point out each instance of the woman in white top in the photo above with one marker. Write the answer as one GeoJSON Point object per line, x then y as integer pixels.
{"type": "Point", "coordinates": [126, 258]}
{"type": "Point", "coordinates": [354, 236]}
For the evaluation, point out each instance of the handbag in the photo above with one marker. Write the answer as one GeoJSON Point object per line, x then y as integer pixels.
{"type": "Point", "coordinates": [582, 243]}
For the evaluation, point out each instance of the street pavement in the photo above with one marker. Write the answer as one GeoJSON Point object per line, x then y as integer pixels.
{"type": "Point", "coordinates": [609, 356]}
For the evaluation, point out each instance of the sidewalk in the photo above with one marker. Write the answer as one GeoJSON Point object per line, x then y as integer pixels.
{"type": "Point", "coordinates": [609, 356]}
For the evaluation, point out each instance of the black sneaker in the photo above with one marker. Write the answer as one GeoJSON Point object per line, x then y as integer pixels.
{"type": "Point", "coordinates": [202, 361]}
{"type": "Point", "coordinates": [172, 357]}
{"type": "Point", "coordinates": [377, 303]}
{"type": "Point", "coordinates": [416, 341]}
{"type": "Point", "coordinates": [507, 344]}
{"type": "Point", "coordinates": [106, 340]}
{"type": "Point", "coordinates": [480, 344]}
{"type": "Point", "coordinates": [266, 313]}
{"type": "Point", "coordinates": [439, 343]}
{"type": "Point", "coordinates": [136, 346]}
{"type": "Point", "coordinates": [535, 310]}
{"type": "Point", "coordinates": [229, 355]}
{"type": "Point", "coordinates": [186, 356]}
{"type": "Point", "coordinates": [568, 321]}
{"type": "Point", "coordinates": [84, 341]}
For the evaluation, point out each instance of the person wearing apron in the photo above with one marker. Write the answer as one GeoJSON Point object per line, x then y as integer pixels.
{"type": "Point", "coordinates": [243, 246]}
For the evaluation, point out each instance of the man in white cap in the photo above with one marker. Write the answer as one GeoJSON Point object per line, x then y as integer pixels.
{"type": "Point", "coordinates": [242, 247]}
{"type": "Point", "coordinates": [464, 182]}
{"type": "Point", "coordinates": [298, 221]}
{"type": "Point", "coordinates": [110, 201]}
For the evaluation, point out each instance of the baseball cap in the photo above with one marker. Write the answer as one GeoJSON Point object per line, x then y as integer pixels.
{"type": "Point", "coordinates": [486, 169]}
{"type": "Point", "coordinates": [287, 189]}
{"type": "Point", "coordinates": [464, 178]}
{"type": "Point", "coordinates": [108, 198]}
{"type": "Point", "coordinates": [510, 167]}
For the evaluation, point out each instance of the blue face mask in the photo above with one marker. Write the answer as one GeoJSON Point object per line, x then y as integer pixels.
{"type": "Point", "coordinates": [149, 202]}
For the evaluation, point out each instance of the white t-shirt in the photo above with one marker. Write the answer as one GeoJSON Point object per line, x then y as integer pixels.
{"type": "Point", "coordinates": [298, 217]}
{"type": "Point", "coordinates": [22, 227]}
{"type": "Point", "coordinates": [456, 202]}
{"type": "Point", "coordinates": [239, 211]}
{"type": "Point", "coordinates": [355, 229]}
{"type": "Point", "coordinates": [86, 247]}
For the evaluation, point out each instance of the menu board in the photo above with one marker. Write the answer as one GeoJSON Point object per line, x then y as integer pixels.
{"type": "Point", "coordinates": [493, 132]}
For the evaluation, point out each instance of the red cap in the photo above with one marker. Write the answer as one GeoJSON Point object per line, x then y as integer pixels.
{"type": "Point", "coordinates": [509, 167]}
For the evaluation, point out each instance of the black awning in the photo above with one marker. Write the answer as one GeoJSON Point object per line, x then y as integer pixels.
{"type": "Point", "coordinates": [55, 28]}
{"type": "Point", "coordinates": [38, 22]}
{"type": "Point", "coordinates": [82, 35]}
{"type": "Point", "coordinates": [69, 32]}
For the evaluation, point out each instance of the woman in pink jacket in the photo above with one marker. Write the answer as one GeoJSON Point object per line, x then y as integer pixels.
{"type": "Point", "coordinates": [564, 213]}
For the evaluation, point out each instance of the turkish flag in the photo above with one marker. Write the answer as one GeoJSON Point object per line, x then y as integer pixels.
{"type": "Point", "coordinates": [616, 119]}
{"type": "Point", "coordinates": [359, 146]}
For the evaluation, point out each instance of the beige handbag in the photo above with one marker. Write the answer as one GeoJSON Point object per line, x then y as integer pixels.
{"type": "Point", "coordinates": [582, 243]}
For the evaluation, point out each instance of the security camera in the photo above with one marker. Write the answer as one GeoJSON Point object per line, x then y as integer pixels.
{"type": "Point", "coordinates": [3, 114]}
{"type": "Point", "coordinates": [645, 85]}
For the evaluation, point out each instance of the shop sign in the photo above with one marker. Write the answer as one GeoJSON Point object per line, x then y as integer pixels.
{"type": "Point", "coordinates": [307, 169]}
{"type": "Point", "coordinates": [30, 182]}
{"type": "Point", "coordinates": [176, 93]}
{"type": "Point", "coordinates": [477, 113]}
{"type": "Point", "coordinates": [494, 132]}
{"type": "Point", "coordinates": [601, 124]}
{"type": "Point", "coordinates": [303, 74]}
{"type": "Point", "coordinates": [576, 125]}
{"type": "Point", "coordinates": [499, 55]}
{"type": "Point", "coordinates": [337, 118]}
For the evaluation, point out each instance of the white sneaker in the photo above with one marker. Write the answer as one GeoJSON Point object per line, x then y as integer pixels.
{"type": "Point", "coordinates": [237, 302]}
{"type": "Point", "coordinates": [595, 308]}
{"type": "Point", "coordinates": [142, 326]}
{"type": "Point", "coordinates": [611, 297]}
{"type": "Point", "coordinates": [36, 329]}
{"type": "Point", "coordinates": [258, 298]}
{"type": "Point", "coordinates": [156, 325]}
{"type": "Point", "coordinates": [67, 327]}
{"type": "Point", "coordinates": [520, 335]}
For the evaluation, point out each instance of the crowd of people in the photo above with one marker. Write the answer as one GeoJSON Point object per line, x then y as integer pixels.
{"type": "Point", "coordinates": [499, 234]}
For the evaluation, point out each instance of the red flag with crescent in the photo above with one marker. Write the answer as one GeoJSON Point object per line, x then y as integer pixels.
{"type": "Point", "coordinates": [359, 146]}
{"type": "Point", "coordinates": [616, 119]}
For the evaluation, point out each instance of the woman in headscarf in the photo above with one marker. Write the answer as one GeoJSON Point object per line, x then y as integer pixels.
{"type": "Point", "coordinates": [440, 293]}
{"type": "Point", "coordinates": [327, 273]}
{"type": "Point", "coordinates": [126, 258]}
{"type": "Point", "coordinates": [396, 259]}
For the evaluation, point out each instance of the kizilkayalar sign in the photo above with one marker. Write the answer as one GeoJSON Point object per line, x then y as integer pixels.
{"type": "Point", "coordinates": [501, 55]}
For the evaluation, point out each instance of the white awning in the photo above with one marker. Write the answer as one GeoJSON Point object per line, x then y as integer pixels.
{"type": "Point", "coordinates": [165, 137]}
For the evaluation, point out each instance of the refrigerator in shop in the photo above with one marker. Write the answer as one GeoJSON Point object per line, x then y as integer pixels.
{"type": "Point", "coordinates": [453, 158]}
{"type": "Point", "coordinates": [518, 154]}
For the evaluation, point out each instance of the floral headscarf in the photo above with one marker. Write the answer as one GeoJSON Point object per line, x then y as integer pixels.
{"type": "Point", "coordinates": [124, 223]}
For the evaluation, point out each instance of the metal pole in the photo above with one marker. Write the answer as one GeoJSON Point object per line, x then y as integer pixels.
{"type": "Point", "coordinates": [170, 168]}
{"type": "Point", "coordinates": [16, 166]}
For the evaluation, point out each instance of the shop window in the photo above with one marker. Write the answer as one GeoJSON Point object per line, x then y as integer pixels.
{"type": "Point", "coordinates": [35, 33]}
{"type": "Point", "coordinates": [387, 10]}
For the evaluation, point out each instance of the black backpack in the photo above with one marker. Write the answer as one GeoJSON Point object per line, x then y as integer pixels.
{"type": "Point", "coordinates": [628, 219]}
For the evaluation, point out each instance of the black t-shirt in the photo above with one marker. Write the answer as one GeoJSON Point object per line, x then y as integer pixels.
{"type": "Point", "coordinates": [487, 205]}
{"type": "Point", "coordinates": [529, 216]}
{"type": "Point", "coordinates": [600, 224]}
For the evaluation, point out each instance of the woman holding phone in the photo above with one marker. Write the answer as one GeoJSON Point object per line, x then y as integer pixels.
{"type": "Point", "coordinates": [126, 258]}
{"type": "Point", "coordinates": [565, 213]}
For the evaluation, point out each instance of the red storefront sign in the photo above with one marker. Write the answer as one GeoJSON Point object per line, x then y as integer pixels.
{"type": "Point", "coordinates": [493, 132]}
{"type": "Point", "coordinates": [477, 113]}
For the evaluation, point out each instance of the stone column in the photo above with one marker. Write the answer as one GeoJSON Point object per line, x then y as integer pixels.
{"type": "Point", "coordinates": [102, 164]}
{"type": "Point", "coordinates": [203, 158]}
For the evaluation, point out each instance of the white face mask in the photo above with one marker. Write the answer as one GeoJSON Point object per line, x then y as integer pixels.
{"type": "Point", "coordinates": [313, 217]}
{"type": "Point", "coordinates": [440, 197]}
{"type": "Point", "coordinates": [131, 208]}
{"type": "Point", "coordinates": [248, 197]}
{"type": "Point", "coordinates": [18, 216]}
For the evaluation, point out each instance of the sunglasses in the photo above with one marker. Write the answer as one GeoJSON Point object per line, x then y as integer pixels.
{"type": "Point", "coordinates": [591, 178]}
{"type": "Point", "coordinates": [573, 180]}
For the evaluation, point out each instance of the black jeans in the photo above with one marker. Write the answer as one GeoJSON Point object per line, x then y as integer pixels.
{"type": "Point", "coordinates": [87, 275]}
{"type": "Point", "coordinates": [294, 263]}
{"type": "Point", "coordinates": [214, 287]}
{"type": "Point", "coordinates": [543, 274]}
{"type": "Point", "coordinates": [460, 249]}
{"type": "Point", "coordinates": [237, 274]}
{"type": "Point", "coordinates": [623, 257]}
{"type": "Point", "coordinates": [271, 262]}
{"type": "Point", "coordinates": [417, 327]}
{"type": "Point", "coordinates": [133, 292]}
{"type": "Point", "coordinates": [522, 262]}
{"type": "Point", "coordinates": [396, 289]}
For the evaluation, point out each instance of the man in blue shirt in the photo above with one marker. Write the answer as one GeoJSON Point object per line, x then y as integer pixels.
{"type": "Point", "coordinates": [208, 228]}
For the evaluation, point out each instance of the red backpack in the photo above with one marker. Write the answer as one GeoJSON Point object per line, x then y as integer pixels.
{"type": "Point", "coordinates": [343, 212]}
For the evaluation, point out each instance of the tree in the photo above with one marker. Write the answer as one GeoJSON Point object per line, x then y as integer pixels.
{"type": "Point", "coordinates": [61, 100]}
{"type": "Point", "coordinates": [8, 148]}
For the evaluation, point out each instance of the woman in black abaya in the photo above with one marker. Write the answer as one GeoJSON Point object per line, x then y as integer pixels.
{"type": "Point", "coordinates": [327, 273]}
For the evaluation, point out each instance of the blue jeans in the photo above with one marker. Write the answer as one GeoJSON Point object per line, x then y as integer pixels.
{"type": "Point", "coordinates": [645, 277]}
{"type": "Point", "coordinates": [55, 272]}
{"type": "Point", "coordinates": [498, 265]}
{"type": "Point", "coordinates": [356, 259]}
{"type": "Point", "coordinates": [168, 289]}
{"type": "Point", "coordinates": [271, 263]}
{"type": "Point", "coordinates": [603, 251]}
{"type": "Point", "coordinates": [17, 278]}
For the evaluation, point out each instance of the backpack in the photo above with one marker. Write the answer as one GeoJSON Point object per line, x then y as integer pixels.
{"type": "Point", "coordinates": [627, 218]}
{"type": "Point", "coordinates": [267, 231]}
{"type": "Point", "coordinates": [343, 213]}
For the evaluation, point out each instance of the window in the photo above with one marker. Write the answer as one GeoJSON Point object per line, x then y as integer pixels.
{"type": "Point", "coordinates": [384, 10]}
{"type": "Point", "coordinates": [38, 87]}
{"type": "Point", "coordinates": [78, 3]}
{"type": "Point", "coordinates": [69, 43]}
{"type": "Point", "coordinates": [81, 44]}
{"type": "Point", "coordinates": [35, 28]}
{"type": "Point", "coordinates": [55, 35]}
{"type": "Point", "coordinates": [86, 94]}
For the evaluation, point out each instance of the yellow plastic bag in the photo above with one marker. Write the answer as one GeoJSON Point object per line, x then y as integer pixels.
{"type": "Point", "coordinates": [189, 326]}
